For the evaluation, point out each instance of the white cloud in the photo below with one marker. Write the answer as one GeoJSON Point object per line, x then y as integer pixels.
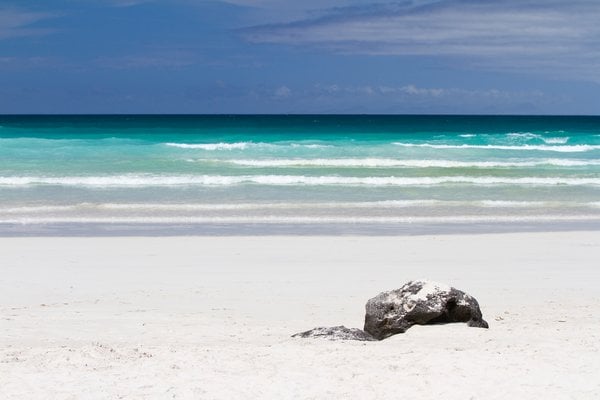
{"type": "Point", "coordinates": [127, 3]}
{"type": "Point", "coordinates": [305, 5]}
{"type": "Point", "coordinates": [412, 92]}
{"type": "Point", "coordinates": [166, 60]}
{"type": "Point", "coordinates": [29, 62]}
{"type": "Point", "coordinates": [412, 89]}
{"type": "Point", "coordinates": [537, 34]}
{"type": "Point", "coordinates": [15, 22]}
{"type": "Point", "coordinates": [413, 98]}
{"type": "Point", "coordinates": [282, 92]}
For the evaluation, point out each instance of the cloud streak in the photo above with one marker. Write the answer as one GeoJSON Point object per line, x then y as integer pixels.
{"type": "Point", "coordinates": [15, 23]}
{"type": "Point", "coordinates": [127, 3]}
{"type": "Point", "coordinates": [412, 92]}
{"type": "Point", "coordinates": [554, 36]}
{"type": "Point", "coordinates": [141, 61]}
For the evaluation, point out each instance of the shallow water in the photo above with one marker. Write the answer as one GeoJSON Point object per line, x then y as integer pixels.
{"type": "Point", "coordinates": [338, 174]}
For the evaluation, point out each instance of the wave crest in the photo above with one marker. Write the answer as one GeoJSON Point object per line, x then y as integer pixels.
{"type": "Point", "coordinates": [389, 162]}
{"type": "Point", "coordinates": [526, 147]}
{"type": "Point", "coordinates": [285, 180]}
{"type": "Point", "coordinates": [211, 146]}
{"type": "Point", "coordinates": [242, 145]}
{"type": "Point", "coordinates": [302, 220]}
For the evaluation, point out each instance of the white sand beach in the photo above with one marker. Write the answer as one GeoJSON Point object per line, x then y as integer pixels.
{"type": "Point", "coordinates": [211, 318]}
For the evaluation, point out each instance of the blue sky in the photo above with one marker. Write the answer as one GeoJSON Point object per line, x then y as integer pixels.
{"type": "Point", "coordinates": [275, 56]}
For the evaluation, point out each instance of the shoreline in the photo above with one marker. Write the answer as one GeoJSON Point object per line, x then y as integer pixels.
{"type": "Point", "coordinates": [289, 229]}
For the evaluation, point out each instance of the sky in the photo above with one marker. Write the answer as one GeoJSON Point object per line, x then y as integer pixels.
{"type": "Point", "coordinates": [308, 56]}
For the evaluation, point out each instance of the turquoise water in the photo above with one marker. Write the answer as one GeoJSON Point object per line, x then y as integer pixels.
{"type": "Point", "coordinates": [393, 171]}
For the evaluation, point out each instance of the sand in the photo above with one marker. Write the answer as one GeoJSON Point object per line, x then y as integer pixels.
{"type": "Point", "coordinates": [211, 318]}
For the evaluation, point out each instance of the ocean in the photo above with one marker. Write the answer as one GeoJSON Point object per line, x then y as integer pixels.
{"type": "Point", "coordinates": [309, 174]}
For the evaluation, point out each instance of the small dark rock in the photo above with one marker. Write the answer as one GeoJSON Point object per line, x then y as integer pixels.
{"type": "Point", "coordinates": [419, 302]}
{"type": "Point", "coordinates": [336, 333]}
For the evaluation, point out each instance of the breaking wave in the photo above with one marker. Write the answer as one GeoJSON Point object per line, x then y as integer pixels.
{"type": "Point", "coordinates": [211, 146]}
{"type": "Point", "coordinates": [242, 145]}
{"type": "Point", "coordinates": [526, 147]}
{"type": "Point", "coordinates": [388, 162]}
{"type": "Point", "coordinates": [299, 220]}
{"type": "Point", "coordinates": [381, 204]}
{"type": "Point", "coordinates": [283, 180]}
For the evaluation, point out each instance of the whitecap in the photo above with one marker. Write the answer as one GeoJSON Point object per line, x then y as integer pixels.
{"type": "Point", "coordinates": [511, 204]}
{"type": "Point", "coordinates": [396, 163]}
{"type": "Point", "coordinates": [211, 146]}
{"type": "Point", "coordinates": [281, 205]}
{"type": "Point", "coordinates": [383, 204]}
{"type": "Point", "coordinates": [526, 147]}
{"type": "Point", "coordinates": [285, 180]}
{"type": "Point", "coordinates": [242, 145]}
{"type": "Point", "coordinates": [311, 146]}
{"type": "Point", "coordinates": [36, 209]}
{"type": "Point", "coordinates": [300, 220]}
{"type": "Point", "coordinates": [523, 135]}
{"type": "Point", "coordinates": [556, 140]}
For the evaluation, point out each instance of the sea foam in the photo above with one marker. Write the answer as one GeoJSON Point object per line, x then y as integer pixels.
{"type": "Point", "coordinates": [525, 147]}
{"type": "Point", "coordinates": [529, 136]}
{"type": "Point", "coordinates": [388, 162]}
{"type": "Point", "coordinates": [211, 146]}
{"type": "Point", "coordinates": [275, 219]}
{"type": "Point", "coordinates": [284, 180]}
{"type": "Point", "coordinates": [556, 140]}
{"type": "Point", "coordinates": [372, 205]}
{"type": "Point", "coordinates": [243, 145]}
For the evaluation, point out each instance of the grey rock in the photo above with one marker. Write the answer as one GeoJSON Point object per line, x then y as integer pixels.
{"type": "Point", "coordinates": [419, 302]}
{"type": "Point", "coordinates": [336, 333]}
